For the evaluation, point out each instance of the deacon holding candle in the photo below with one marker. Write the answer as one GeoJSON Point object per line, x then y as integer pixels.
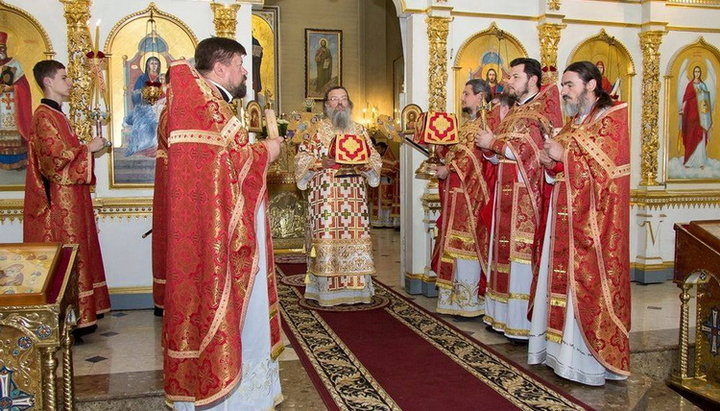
{"type": "Point", "coordinates": [57, 206]}
{"type": "Point", "coordinates": [340, 263]}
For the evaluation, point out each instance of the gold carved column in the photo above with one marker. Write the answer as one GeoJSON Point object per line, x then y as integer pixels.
{"type": "Point", "coordinates": [650, 45]}
{"type": "Point", "coordinates": [437, 31]}
{"type": "Point", "coordinates": [225, 19]}
{"type": "Point", "coordinates": [77, 13]}
{"type": "Point", "coordinates": [549, 35]}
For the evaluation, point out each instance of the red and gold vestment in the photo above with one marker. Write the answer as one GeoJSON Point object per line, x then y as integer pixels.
{"type": "Point", "coordinates": [159, 221]}
{"type": "Point", "coordinates": [590, 246]}
{"type": "Point", "coordinates": [386, 196]}
{"type": "Point", "coordinates": [58, 207]}
{"type": "Point", "coordinates": [518, 202]}
{"type": "Point", "coordinates": [216, 184]}
{"type": "Point", "coordinates": [464, 226]}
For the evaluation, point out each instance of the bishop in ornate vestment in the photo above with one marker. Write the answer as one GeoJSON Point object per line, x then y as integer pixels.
{"type": "Point", "coordinates": [460, 256]}
{"type": "Point", "coordinates": [221, 334]}
{"type": "Point", "coordinates": [57, 206]}
{"type": "Point", "coordinates": [516, 144]}
{"type": "Point", "coordinates": [340, 261]}
{"type": "Point", "coordinates": [581, 313]}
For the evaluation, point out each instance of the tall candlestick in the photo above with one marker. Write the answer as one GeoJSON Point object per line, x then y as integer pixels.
{"type": "Point", "coordinates": [97, 36]}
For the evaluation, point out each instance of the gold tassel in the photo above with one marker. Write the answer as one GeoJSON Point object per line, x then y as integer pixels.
{"type": "Point", "coordinates": [313, 253]}
{"type": "Point", "coordinates": [307, 278]}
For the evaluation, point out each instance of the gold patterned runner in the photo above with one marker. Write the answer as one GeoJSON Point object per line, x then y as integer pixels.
{"type": "Point", "coordinates": [350, 384]}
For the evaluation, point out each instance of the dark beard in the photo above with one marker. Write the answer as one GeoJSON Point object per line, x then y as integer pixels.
{"type": "Point", "coordinates": [239, 91]}
{"type": "Point", "coordinates": [468, 111]}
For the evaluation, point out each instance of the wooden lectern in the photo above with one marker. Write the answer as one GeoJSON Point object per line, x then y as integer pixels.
{"type": "Point", "coordinates": [38, 300]}
{"type": "Point", "coordinates": [697, 263]}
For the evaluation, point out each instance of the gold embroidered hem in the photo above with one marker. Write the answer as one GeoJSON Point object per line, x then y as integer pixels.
{"type": "Point", "coordinates": [338, 301]}
{"type": "Point", "coordinates": [336, 257]}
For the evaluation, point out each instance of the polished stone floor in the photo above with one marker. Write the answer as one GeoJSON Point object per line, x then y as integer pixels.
{"type": "Point", "coordinates": [124, 355]}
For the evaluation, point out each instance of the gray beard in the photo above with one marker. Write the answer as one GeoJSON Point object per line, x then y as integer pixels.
{"type": "Point", "coordinates": [573, 109]}
{"type": "Point", "coordinates": [340, 119]}
{"type": "Point", "coordinates": [3, 56]}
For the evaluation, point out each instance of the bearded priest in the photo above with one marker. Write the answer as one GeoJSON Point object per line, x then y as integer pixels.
{"type": "Point", "coordinates": [581, 313]}
{"type": "Point", "coordinates": [340, 262]}
{"type": "Point", "coordinates": [221, 328]}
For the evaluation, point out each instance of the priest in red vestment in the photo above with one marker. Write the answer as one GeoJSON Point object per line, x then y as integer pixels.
{"type": "Point", "coordinates": [581, 313]}
{"type": "Point", "coordinates": [460, 257]}
{"type": "Point", "coordinates": [159, 217]}
{"type": "Point", "coordinates": [382, 198]}
{"type": "Point", "coordinates": [57, 206]}
{"type": "Point", "coordinates": [516, 145]}
{"type": "Point", "coordinates": [15, 110]}
{"type": "Point", "coordinates": [221, 334]}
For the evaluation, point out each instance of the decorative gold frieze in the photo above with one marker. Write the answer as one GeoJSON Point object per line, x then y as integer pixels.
{"type": "Point", "coordinates": [77, 13]}
{"type": "Point", "coordinates": [225, 19]}
{"type": "Point", "coordinates": [133, 207]}
{"type": "Point", "coordinates": [553, 4]}
{"type": "Point", "coordinates": [437, 31]}
{"type": "Point", "coordinates": [549, 35]}
{"type": "Point", "coordinates": [650, 45]}
{"type": "Point", "coordinates": [676, 199]}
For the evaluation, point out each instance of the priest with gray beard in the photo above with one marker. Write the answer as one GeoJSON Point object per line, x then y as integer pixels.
{"type": "Point", "coordinates": [340, 262]}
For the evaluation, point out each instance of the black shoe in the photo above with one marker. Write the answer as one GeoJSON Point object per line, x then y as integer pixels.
{"type": "Point", "coordinates": [99, 316]}
{"type": "Point", "coordinates": [79, 332]}
{"type": "Point", "coordinates": [158, 312]}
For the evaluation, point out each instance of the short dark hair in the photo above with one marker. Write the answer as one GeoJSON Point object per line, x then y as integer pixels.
{"type": "Point", "coordinates": [216, 50]}
{"type": "Point", "coordinates": [588, 71]}
{"type": "Point", "coordinates": [531, 67]}
{"type": "Point", "coordinates": [480, 86]}
{"type": "Point", "coordinates": [506, 99]}
{"type": "Point", "coordinates": [46, 68]}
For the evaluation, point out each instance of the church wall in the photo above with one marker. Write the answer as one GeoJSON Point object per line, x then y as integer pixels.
{"type": "Point", "coordinates": [295, 17]}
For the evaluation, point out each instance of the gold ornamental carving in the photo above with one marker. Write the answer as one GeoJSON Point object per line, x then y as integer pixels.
{"type": "Point", "coordinates": [549, 35]}
{"type": "Point", "coordinates": [650, 45]}
{"type": "Point", "coordinates": [77, 13]}
{"type": "Point", "coordinates": [553, 5]}
{"type": "Point", "coordinates": [225, 19]}
{"type": "Point", "coordinates": [437, 31]}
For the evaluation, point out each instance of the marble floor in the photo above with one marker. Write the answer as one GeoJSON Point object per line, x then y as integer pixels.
{"type": "Point", "coordinates": [124, 354]}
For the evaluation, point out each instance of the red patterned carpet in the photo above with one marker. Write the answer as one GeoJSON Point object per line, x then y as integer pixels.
{"type": "Point", "coordinates": [393, 354]}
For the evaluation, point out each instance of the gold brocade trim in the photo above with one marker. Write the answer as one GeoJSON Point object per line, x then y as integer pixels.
{"type": "Point", "coordinates": [554, 336]}
{"type": "Point", "coordinates": [422, 277]}
{"type": "Point", "coordinates": [520, 260]}
{"type": "Point", "coordinates": [337, 301]}
{"type": "Point", "coordinates": [502, 327]}
{"type": "Point", "coordinates": [196, 136]}
{"type": "Point", "coordinates": [161, 153]}
{"type": "Point", "coordinates": [558, 301]}
{"type": "Point", "coordinates": [458, 255]}
{"type": "Point", "coordinates": [504, 298]}
{"type": "Point", "coordinates": [461, 313]}
{"type": "Point", "coordinates": [276, 351]}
